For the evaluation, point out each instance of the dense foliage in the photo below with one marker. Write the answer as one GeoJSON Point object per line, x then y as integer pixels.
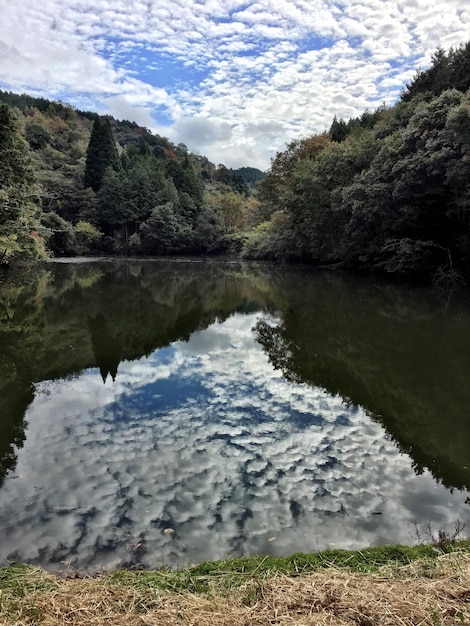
{"type": "Point", "coordinates": [80, 183]}
{"type": "Point", "coordinates": [19, 193]}
{"type": "Point", "coordinates": [389, 191]}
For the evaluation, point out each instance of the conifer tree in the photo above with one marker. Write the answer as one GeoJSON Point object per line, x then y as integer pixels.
{"type": "Point", "coordinates": [101, 153]}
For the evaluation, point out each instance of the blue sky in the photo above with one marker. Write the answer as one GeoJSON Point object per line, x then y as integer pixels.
{"type": "Point", "coordinates": [234, 80]}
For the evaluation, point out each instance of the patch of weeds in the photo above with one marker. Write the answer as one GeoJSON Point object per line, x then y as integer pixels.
{"type": "Point", "coordinates": [368, 559]}
{"type": "Point", "coordinates": [233, 573]}
{"type": "Point", "coordinates": [18, 581]}
{"type": "Point", "coordinates": [163, 579]}
{"type": "Point", "coordinates": [443, 541]}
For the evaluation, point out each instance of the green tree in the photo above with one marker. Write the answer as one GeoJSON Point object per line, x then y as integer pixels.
{"type": "Point", "coordinates": [278, 181]}
{"type": "Point", "coordinates": [116, 204]}
{"type": "Point", "coordinates": [87, 237]}
{"type": "Point", "coordinates": [208, 231]}
{"type": "Point", "coordinates": [187, 181]}
{"type": "Point", "coordinates": [274, 239]}
{"type": "Point", "coordinates": [19, 194]}
{"type": "Point", "coordinates": [231, 207]}
{"type": "Point", "coordinates": [101, 154]}
{"type": "Point", "coordinates": [338, 130]}
{"type": "Point", "coordinates": [58, 234]}
{"type": "Point", "coordinates": [126, 198]}
{"type": "Point", "coordinates": [37, 136]}
{"type": "Point", "coordinates": [408, 211]}
{"type": "Point", "coordinates": [163, 232]}
{"type": "Point", "coordinates": [447, 71]}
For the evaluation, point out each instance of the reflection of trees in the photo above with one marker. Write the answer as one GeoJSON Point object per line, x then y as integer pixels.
{"type": "Point", "coordinates": [62, 318]}
{"type": "Point", "coordinates": [106, 346]}
{"type": "Point", "coordinates": [12, 425]}
{"type": "Point", "coordinates": [19, 316]}
{"type": "Point", "coordinates": [394, 351]}
{"type": "Point", "coordinates": [280, 353]}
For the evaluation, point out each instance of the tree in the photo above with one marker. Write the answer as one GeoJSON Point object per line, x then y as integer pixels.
{"type": "Point", "coordinates": [338, 130]}
{"type": "Point", "coordinates": [163, 233]}
{"type": "Point", "coordinates": [208, 231]}
{"type": "Point", "coordinates": [58, 234]}
{"type": "Point", "coordinates": [37, 136]}
{"type": "Point", "coordinates": [19, 194]}
{"type": "Point", "coordinates": [87, 237]}
{"type": "Point", "coordinates": [231, 206]}
{"type": "Point", "coordinates": [447, 71]}
{"type": "Point", "coordinates": [116, 204]}
{"type": "Point", "coordinates": [187, 181]}
{"type": "Point", "coordinates": [101, 154]}
{"type": "Point", "coordinates": [273, 188]}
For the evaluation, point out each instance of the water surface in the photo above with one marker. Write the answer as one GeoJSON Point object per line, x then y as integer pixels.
{"type": "Point", "coordinates": [167, 412]}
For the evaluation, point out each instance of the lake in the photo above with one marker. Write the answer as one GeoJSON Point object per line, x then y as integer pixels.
{"type": "Point", "coordinates": [166, 412]}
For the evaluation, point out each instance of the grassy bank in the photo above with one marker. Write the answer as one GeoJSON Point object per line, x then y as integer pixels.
{"type": "Point", "coordinates": [396, 585]}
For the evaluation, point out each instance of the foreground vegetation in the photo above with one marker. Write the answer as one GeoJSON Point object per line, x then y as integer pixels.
{"type": "Point", "coordinates": [389, 585]}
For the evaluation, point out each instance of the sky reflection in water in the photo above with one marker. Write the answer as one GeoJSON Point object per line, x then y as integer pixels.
{"type": "Point", "coordinates": [205, 438]}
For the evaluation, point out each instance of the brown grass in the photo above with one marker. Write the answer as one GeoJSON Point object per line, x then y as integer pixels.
{"type": "Point", "coordinates": [417, 594]}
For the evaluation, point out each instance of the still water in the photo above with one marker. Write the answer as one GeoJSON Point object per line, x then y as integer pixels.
{"type": "Point", "coordinates": [173, 411]}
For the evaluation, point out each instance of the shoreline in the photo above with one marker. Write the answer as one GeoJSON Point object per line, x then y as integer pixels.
{"type": "Point", "coordinates": [422, 584]}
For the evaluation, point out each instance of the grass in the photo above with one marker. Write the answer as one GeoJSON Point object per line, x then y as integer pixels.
{"type": "Point", "coordinates": [234, 572]}
{"type": "Point", "coordinates": [18, 583]}
{"type": "Point", "coordinates": [385, 585]}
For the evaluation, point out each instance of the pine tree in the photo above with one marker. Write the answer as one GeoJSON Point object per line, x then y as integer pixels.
{"type": "Point", "coordinates": [101, 153]}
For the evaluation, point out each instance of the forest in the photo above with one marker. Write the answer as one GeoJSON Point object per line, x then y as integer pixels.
{"type": "Point", "coordinates": [388, 192]}
{"type": "Point", "coordinates": [76, 183]}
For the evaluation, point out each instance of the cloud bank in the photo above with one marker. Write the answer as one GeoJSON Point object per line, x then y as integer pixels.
{"type": "Point", "coordinates": [236, 66]}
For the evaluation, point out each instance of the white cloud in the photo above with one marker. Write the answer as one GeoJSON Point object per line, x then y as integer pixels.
{"type": "Point", "coordinates": [201, 131]}
{"type": "Point", "coordinates": [241, 456]}
{"type": "Point", "coordinates": [236, 64]}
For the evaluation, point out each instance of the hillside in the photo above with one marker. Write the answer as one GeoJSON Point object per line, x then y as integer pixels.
{"type": "Point", "coordinates": [100, 185]}
{"type": "Point", "coordinates": [388, 192]}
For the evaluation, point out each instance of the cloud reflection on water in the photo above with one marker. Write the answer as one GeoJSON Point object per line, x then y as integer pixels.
{"type": "Point", "coordinates": [205, 438]}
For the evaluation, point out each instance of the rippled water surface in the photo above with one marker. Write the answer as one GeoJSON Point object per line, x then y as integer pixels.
{"type": "Point", "coordinates": [168, 412]}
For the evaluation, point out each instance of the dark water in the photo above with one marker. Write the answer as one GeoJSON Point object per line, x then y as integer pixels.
{"type": "Point", "coordinates": [168, 412]}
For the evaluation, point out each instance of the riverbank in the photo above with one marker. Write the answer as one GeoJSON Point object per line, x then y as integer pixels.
{"type": "Point", "coordinates": [386, 585]}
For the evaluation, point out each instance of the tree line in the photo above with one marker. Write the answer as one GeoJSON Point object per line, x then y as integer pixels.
{"type": "Point", "coordinates": [385, 192]}
{"type": "Point", "coordinates": [388, 191]}
{"type": "Point", "coordinates": [73, 182]}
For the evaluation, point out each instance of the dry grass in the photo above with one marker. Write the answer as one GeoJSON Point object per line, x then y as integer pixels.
{"type": "Point", "coordinates": [421, 593]}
